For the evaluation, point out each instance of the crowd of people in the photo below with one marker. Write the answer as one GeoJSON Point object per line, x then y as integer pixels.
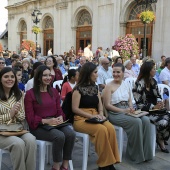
{"type": "Point", "coordinates": [27, 96]}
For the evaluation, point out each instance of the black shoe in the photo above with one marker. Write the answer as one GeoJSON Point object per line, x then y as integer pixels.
{"type": "Point", "coordinates": [165, 142]}
{"type": "Point", "coordinates": [112, 167]}
{"type": "Point", "coordinates": [162, 149]}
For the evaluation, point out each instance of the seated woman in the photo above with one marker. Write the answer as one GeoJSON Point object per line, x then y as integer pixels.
{"type": "Point", "coordinates": [86, 103]}
{"type": "Point", "coordinates": [42, 106]}
{"type": "Point", "coordinates": [117, 100]}
{"type": "Point", "coordinates": [55, 72]}
{"type": "Point", "coordinates": [147, 97]}
{"type": "Point", "coordinates": [128, 70]}
{"type": "Point", "coordinates": [22, 148]}
{"type": "Point", "coordinates": [69, 82]}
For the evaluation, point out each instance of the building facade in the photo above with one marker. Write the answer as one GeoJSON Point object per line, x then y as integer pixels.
{"type": "Point", "coordinates": [67, 23]}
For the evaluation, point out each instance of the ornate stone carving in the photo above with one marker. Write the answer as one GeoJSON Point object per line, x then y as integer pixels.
{"type": "Point", "coordinates": [63, 4]}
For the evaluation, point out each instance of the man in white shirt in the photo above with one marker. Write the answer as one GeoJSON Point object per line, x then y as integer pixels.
{"type": "Point", "coordinates": [114, 53]}
{"type": "Point", "coordinates": [165, 73]}
{"type": "Point", "coordinates": [88, 53]}
{"type": "Point", "coordinates": [104, 72]}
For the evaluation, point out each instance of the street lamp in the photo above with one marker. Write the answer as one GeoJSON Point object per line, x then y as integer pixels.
{"type": "Point", "coordinates": [36, 17]}
{"type": "Point", "coordinates": [146, 3]}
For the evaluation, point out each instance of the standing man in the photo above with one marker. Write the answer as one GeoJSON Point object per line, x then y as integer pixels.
{"type": "Point", "coordinates": [104, 72]}
{"type": "Point", "coordinates": [135, 66]}
{"type": "Point", "coordinates": [88, 53]}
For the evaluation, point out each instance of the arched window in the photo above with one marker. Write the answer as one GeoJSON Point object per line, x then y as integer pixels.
{"type": "Point", "coordinates": [23, 26]}
{"type": "Point", "coordinates": [84, 18]}
{"type": "Point", "coordinates": [49, 23]}
{"type": "Point", "coordinates": [137, 9]}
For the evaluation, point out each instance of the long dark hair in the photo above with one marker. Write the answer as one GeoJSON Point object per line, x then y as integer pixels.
{"type": "Point", "coordinates": [38, 82]}
{"type": "Point", "coordinates": [145, 72]}
{"type": "Point", "coordinates": [71, 73]}
{"type": "Point", "coordinates": [85, 73]}
{"type": "Point", "coordinates": [14, 89]}
{"type": "Point", "coordinates": [54, 61]}
{"type": "Point", "coordinates": [35, 65]}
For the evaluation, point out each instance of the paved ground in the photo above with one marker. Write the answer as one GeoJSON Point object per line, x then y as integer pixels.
{"type": "Point", "coordinates": [160, 162]}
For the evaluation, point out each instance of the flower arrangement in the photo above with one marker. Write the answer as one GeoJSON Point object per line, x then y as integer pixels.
{"type": "Point", "coordinates": [147, 16]}
{"type": "Point", "coordinates": [127, 46]}
{"type": "Point", "coordinates": [1, 48]}
{"type": "Point", "coordinates": [26, 44]}
{"type": "Point", "coordinates": [36, 29]}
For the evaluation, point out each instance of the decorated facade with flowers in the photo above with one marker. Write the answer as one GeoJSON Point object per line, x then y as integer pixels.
{"type": "Point", "coordinates": [127, 46]}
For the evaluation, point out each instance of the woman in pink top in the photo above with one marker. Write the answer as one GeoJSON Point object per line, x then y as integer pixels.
{"type": "Point", "coordinates": [69, 82]}
{"type": "Point", "coordinates": [42, 107]}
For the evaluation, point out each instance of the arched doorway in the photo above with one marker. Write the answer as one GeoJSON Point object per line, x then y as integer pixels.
{"type": "Point", "coordinates": [48, 34]}
{"type": "Point", "coordinates": [23, 31]}
{"type": "Point", "coordinates": [84, 29]}
{"type": "Point", "coordinates": [136, 27]}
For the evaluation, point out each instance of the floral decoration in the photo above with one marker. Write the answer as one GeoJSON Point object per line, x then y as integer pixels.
{"type": "Point", "coordinates": [127, 46]}
{"type": "Point", "coordinates": [36, 29]}
{"type": "Point", "coordinates": [26, 44]}
{"type": "Point", "coordinates": [1, 48]}
{"type": "Point", "coordinates": [147, 16]}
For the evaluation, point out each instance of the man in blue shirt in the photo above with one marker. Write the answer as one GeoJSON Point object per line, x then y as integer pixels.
{"type": "Point", "coordinates": [61, 65]}
{"type": "Point", "coordinates": [135, 66]}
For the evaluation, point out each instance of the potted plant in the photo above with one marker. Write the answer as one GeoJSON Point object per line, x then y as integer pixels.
{"type": "Point", "coordinates": [127, 46]}
{"type": "Point", "coordinates": [147, 16]}
{"type": "Point", "coordinates": [36, 29]}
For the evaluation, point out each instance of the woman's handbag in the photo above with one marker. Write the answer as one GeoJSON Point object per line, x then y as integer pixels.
{"type": "Point", "coordinates": [95, 120]}
{"type": "Point", "coordinates": [12, 129]}
{"type": "Point", "coordinates": [158, 111]}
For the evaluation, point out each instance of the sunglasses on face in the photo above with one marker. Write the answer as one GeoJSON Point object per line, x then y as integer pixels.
{"type": "Point", "coordinates": [2, 63]}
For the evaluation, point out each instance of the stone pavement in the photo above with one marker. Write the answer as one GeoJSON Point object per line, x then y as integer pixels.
{"type": "Point", "coordinates": [160, 162]}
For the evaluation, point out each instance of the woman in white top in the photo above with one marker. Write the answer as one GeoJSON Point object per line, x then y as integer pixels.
{"type": "Point", "coordinates": [128, 70]}
{"type": "Point", "coordinates": [117, 100]}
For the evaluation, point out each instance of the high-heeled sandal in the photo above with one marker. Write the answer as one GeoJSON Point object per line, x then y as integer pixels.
{"type": "Point", "coordinates": [162, 149]}
{"type": "Point", "coordinates": [63, 168]}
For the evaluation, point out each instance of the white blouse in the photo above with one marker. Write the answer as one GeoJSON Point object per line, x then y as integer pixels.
{"type": "Point", "coordinates": [121, 94]}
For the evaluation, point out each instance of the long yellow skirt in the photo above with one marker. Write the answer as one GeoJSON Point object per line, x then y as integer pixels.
{"type": "Point", "coordinates": [102, 135]}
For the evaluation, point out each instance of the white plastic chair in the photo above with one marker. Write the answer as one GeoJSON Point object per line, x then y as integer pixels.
{"type": "Point", "coordinates": [108, 80]}
{"type": "Point", "coordinates": [161, 88]}
{"type": "Point", "coordinates": [73, 68]}
{"type": "Point", "coordinates": [45, 149]}
{"type": "Point", "coordinates": [131, 81]}
{"type": "Point", "coordinates": [59, 83]}
{"type": "Point", "coordinates": [85, 148]}
{"type": "Point", "coordinates": [43, 146]}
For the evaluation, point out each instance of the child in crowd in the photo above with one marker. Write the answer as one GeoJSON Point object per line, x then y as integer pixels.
{"type": "Point", "coordinates": [18, 73]}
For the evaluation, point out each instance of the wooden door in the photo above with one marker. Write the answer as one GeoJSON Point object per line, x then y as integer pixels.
{"type": "Point", "coordinates": [83, 37]}
{"type": "Point", "coordinates": [48, 40]}
{"type": "Point", "coordinates": [137, 29]}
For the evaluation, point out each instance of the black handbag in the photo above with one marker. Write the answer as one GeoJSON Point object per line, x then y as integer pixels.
{"type": "Point", "coordinates": [158, 111]}
{"type": "Point", "coordinates": [95, 120]}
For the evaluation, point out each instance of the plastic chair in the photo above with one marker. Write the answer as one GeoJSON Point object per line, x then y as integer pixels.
{"type": "Point", "coordinates": [153, 132]}
{"type": "Point", "coordinates": [131, 81]}
{"type": "Point", "coordinates": [43, 145]}
{"type": "Point", "coordinates": [108, 80]}
{"type": "Point", "coordinates": [120, 140]}
{"type": "Point", "coordinates": [2, 151]}
{"type": "Point", "coordinates": [85, 148]}
{"type": "Point", "coordinates": [161, 88]}
{"type": "Point", "coordinates": [59, 83]}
